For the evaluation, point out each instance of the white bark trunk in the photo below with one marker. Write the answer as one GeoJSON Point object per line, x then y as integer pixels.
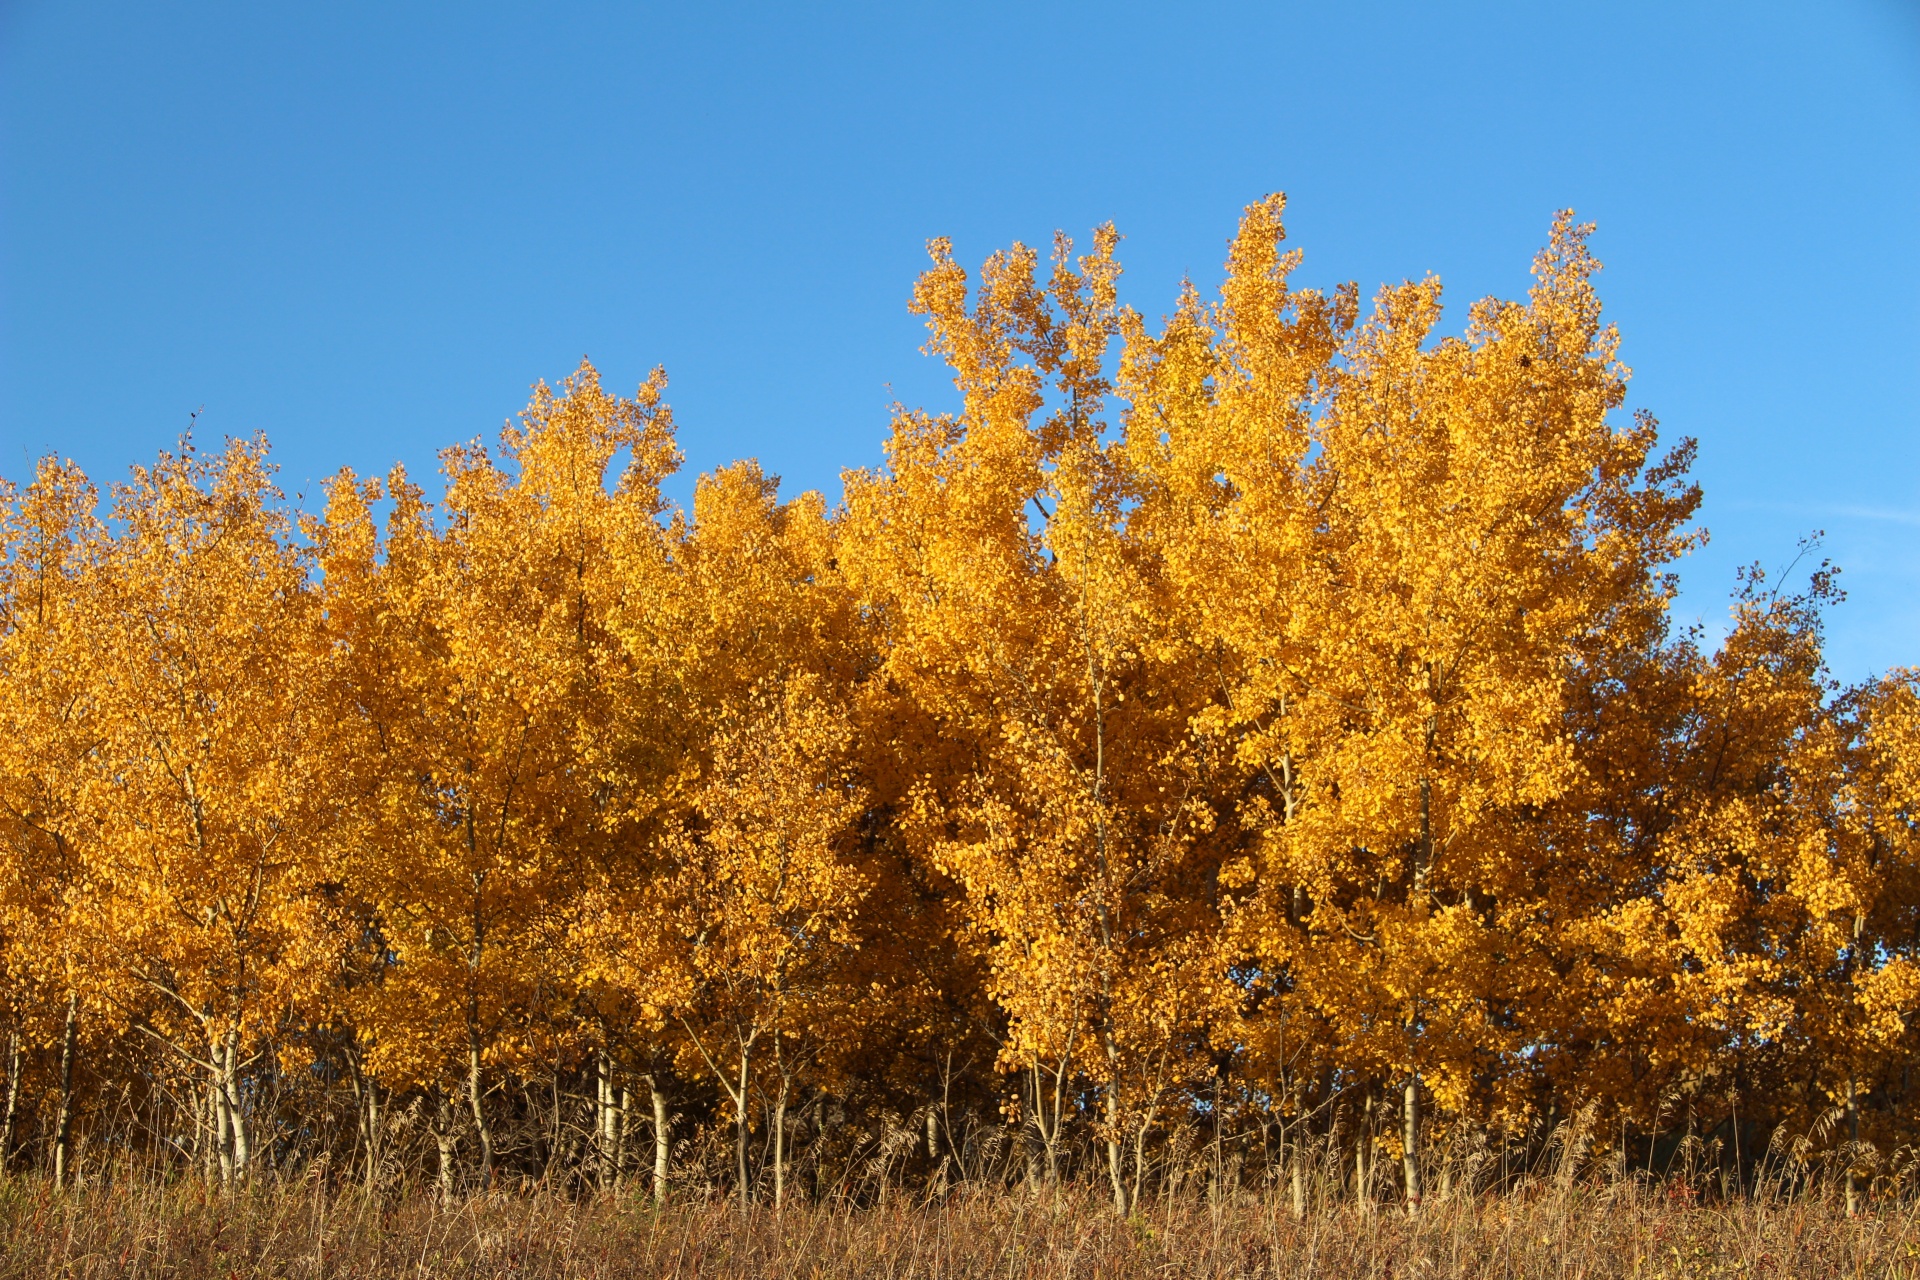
{"type": "Point", "coordinates": [661, 1142]}
{"type": "Point", "coordinates": [63, 1128]}
{"type": "Point", "coordinates": [1410, 1138]}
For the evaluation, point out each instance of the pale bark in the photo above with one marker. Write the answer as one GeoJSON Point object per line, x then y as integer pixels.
{"type": "Point", "coordinates": [740, 1129]}
{"type": "Point", "coordinates": [368, 1099]}
{"type": "Point", "coordinates": [780, 1147]}
{"type": "Point", "coordinates": [13, 1099]}
{"type": "Point", "coordinates": [443, 1142]}
{"type": "Point", "coordinates": [228, 1063]}
{"type": "Point", "coordinates": [63, 1127]}
{"type": "Point", "coordinates": [1410, 1137]}
{"type": "Point", "coordinates": [661, 1140]}
{"type": "Point", "coordinates": [603, 1119]}
{"type": "Point", "coordinates": [738, 1095]}
{"type": "Point", "coordinates": [475, 1092]}
{"type": "Point", "coordinates": [212, 1146]}
{"type": "Point", "coordinates": [1047, 1120]}
{"type": "Point", "coordinates": [222, 1116]}
{"type": "Point", "coordinates": [621, 1132]}
{"type": "Point", "coordinates": [1115, 1174]}
{"type": "Point", "coordinates": [1853, 1138]}
{"type": "Point", "coordinates": [1219, 1168]}
{"type": "Point", "coordinates": [1363, 1193]}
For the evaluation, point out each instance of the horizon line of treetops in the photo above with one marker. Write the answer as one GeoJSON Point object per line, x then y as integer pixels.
{"type": "Point", "coordinates": [1299, 751]}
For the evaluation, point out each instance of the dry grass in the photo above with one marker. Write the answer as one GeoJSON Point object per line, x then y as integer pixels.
{"type": "Point", "coordinates": [139, 1229]}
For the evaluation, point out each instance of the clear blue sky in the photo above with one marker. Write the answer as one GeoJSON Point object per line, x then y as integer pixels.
{"type": "Point", "coordinates": [367, 229]}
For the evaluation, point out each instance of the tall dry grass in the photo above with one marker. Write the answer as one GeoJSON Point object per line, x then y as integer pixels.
{"type": "Point", "coordinates": [138, 1228]}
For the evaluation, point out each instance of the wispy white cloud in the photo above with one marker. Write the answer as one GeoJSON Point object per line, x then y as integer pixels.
{"type": "Point", "coordinates": [1878, 513]}
{"type": "Point", "coordinates": [1883, 515]}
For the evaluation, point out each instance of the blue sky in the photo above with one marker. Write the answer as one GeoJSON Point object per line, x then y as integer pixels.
{"type": "Point", "coordinates": [368, 229]}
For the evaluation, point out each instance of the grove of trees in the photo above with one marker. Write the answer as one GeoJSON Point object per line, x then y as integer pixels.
{"type": "Point", "coordinates": [1263, 734]}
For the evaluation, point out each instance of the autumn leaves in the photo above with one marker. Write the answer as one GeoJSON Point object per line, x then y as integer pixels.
{"type": "Point", "coordinates": [1280, 696]}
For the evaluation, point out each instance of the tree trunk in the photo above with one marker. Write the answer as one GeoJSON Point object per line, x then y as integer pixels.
{"type": "Point", "coordinates": [1049, 1136]}
{"type": "Point", "coordinates": [621, 1133]}
{"type": "Point", "coordinates": [1363, 1194]}
{"type": "Point", "coordinates": [63, 1128]}
{"type": "Point", "coordinates": [1853, 1138]}
{"type": "Point", "coordinates": [740, 1131]}
{"type": "Point", "coordinates": [443, 1141]}
{"type": "Point", "coordinates": [474, 1094]}
{"type": "Point", "coordinates": [236, 1113]}
{"type": "Point", "coordinates": [368, 1100]}
{"type": "Point", "coordinates": [780, 1147]}
{"type": "Point", "coordinates": [211, 1148]}
{"type": "Point", "coordinates": [222, 1116]}
{"type": "Point", "coordinates": [1219, 1168]}
{"type": "Point", "coordinates": [13, 1099]}
{"type": "Point", "coordinates": [1410, 1139]}
{"type": "Point", "coordinates": [554, 1147]}
{"type": "Point", "coordinates": [1116, 1173]}
{"type": "Point", "coordinates": [1139, 1166]}
{"type": "Point", "coordinates": [661, 1141]}
{"type": "Point", "coordinates": [372, 1114]}
{"type": "Point", "coordinates": [603, 1119]}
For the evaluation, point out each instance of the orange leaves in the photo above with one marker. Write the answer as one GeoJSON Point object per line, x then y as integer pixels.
{"type": "Point", "coordinates": [1277, 686]}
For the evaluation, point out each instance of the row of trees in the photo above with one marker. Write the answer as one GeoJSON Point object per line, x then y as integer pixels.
{"type": "Point", "coordinates": [1272, 718]}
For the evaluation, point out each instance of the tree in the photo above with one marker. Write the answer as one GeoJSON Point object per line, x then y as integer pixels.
{"type": "Point", "coordinates": [205, 791]}
{"type": "Point", "coordinates": [1404, 559]}
{"type": "Point", "coordinates": [490, 689]}
{"type": "Point", "coordinates": [763, 893]}
{"type": "Point", "coordinates": [1021, 614]}
{"type": "Point", "coordinates": [47, 713]}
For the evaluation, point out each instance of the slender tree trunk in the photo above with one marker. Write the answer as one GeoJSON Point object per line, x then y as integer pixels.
{"type": "Point", "coordinates": [621, 1133]}
{"type": "Point", "coordinates": [1296, 1154]}
{"type": "Point", "coordinates": [1363, 1193]}
{"type": "Point", "coordinates": [370, 1117]}
{"type": "Point", "coordinates": [1116, 1174]}
{"type": "Point", "coordinates": [367, 1115]}
{"type": "Point", "coordinates": [603, 1119]}
{"type": "Point", "coordinates": [740, 1131]}
{"type": "Point", "coordinates": [1410, 1138]}
{"type": "Point", "coordinates": [552, 1135]}
{"type": "Point", "coordinates": [661, 1140]}
{"type": "Point", "coordinates": [222, 1116]}
{"type": "Point", "coordinates": [210, 1144]}
{"type": "Point", "coordinates": [236, 1113]}
{"type": "Point", "coordinates": [1219, 1166]}
{"type": "Point", "coordinates": [63, 1128]}
{"type": "Point", "coordinates": [1853, 1137]}
{"type": "Point", "coordinates": [443, 1142]}
{"type": "Point", "coordinates": [13, 1100]}
{"type": "Point", "coordinates": [475, 1092]}
{"type": "Point", "coordinates": [780, 1147]}
{"type": "Point", "coordinates": [1139, 1166]}
{"type": "Point", "coordinates": [1047, 1121]}
{"type": "Point", "coordinates": [1049, 1133]}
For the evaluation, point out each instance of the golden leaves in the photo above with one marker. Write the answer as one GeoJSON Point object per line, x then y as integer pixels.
{"type": "Point", "coordinates": [1280, 684]}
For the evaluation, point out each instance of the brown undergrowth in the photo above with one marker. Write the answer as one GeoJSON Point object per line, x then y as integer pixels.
{"type": "Point", "coordinates": [186, 1230]}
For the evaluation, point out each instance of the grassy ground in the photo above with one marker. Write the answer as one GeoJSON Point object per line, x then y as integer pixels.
{"type": "Point", "coordinates": [186, 1231]}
